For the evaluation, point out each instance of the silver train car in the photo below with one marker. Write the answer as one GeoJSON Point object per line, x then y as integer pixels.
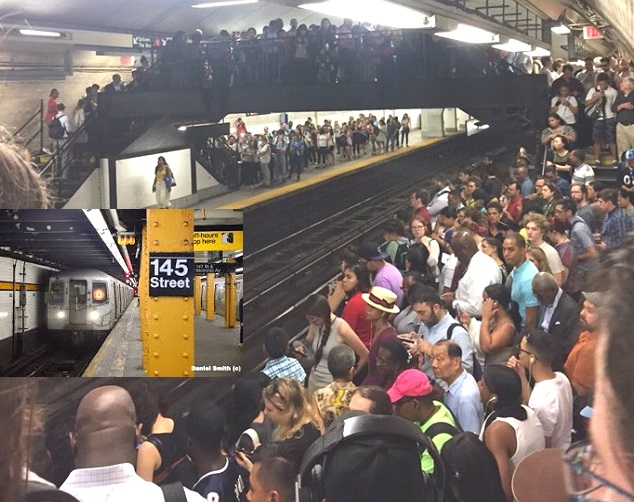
{"type": "Point", "coordinates": [85, 301]}
{"type": "Point", "coordinates": [219, 294]}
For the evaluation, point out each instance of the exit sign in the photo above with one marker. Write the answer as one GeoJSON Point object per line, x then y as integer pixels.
{"type": "Point", "coordinates": [591, 33]}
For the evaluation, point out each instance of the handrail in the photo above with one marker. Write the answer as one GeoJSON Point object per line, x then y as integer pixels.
{"type": "Point", "coordinates": [28, 121]}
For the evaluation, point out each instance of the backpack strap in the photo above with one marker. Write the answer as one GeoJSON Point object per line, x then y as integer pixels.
{"type": "Point", "coordinates": [450, 329]}
{"type": "Point", "coordinates": [174, 492]}
{"type": "Point", "coordinates": [441, 428]}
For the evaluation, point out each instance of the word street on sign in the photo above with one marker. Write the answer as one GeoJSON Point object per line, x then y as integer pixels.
{"type": "Point", "coordinates": [171, 274]}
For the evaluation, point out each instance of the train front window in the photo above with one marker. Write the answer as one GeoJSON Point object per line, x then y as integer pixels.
{"type": "Point", "coordinates": [56, 293]}
{"type": "Point", "coordinates": [99, 292]}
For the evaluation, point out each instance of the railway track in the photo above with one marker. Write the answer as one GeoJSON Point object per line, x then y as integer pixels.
{"type": "Point", "coordinates": [278, 285]}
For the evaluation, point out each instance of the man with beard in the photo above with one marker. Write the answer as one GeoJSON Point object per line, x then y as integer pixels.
{"type": "Point", "coordinates": [437, 325]}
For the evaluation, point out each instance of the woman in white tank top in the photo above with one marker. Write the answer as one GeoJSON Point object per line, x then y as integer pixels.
{"type": "Point", "coordinates": [511, 431]}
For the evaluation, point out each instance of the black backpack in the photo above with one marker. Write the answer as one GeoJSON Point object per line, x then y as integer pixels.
{"type": "Point", "coordinates": [400, 255]}
{"type": "Point", "coordinates": [471, 472]}
{"type": "Point", "coordinates": [477, 369]}
{"type": "Point", "coordinates": [55, 129]}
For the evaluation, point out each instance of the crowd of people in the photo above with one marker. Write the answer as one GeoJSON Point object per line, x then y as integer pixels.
{"type": "Point", "coordinates": [273, 157]}
{"type": "Point", "coordinates": [590, 106]}
{"type": "Point", "coordinates": [482, 311]}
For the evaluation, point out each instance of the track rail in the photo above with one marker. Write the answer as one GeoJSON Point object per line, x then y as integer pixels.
{"type": "Point", "coordinates": [278, 285]}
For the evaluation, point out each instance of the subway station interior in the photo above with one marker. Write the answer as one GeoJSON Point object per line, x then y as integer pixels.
{"type": "Point", "coordinates": [98, 278]}
{"type": "Point", "coordinates": [77, 296]}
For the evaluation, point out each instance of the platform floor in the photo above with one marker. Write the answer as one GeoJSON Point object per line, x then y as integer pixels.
{"type": "Point", "coordinates": [251, 197]}
{"type": "Point", "coordinates": [121, 353]}
{"type": "Point", "coordinates": [216, 348]}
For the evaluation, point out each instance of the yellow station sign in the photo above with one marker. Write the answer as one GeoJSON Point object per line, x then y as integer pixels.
{"type": "Point", "coordinates": [226, 240]}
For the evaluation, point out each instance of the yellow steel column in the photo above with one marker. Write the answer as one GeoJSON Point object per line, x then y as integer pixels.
{"type": "Point", "coordinates": [198, 293]}
{"type": "Point", "coordinates": [171, 319]}
{"type": "Point", "coordinates": [211, 295]}
{"type": "Point", "coordinates": [144, 299]}
{"type": "Point", "coordinates": [230, 301]}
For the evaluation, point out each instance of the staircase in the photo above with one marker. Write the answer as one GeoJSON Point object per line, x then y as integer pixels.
{"type": "Point", "coordinates": [606, 171]}
{"type": "Point", "coordinates": [221, 161]}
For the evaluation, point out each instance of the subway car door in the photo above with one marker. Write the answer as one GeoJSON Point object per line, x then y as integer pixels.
{"type": "Point", "coordinates": [78, 311]}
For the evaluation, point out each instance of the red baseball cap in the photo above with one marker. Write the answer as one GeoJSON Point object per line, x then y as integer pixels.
{"type": "Point", "coordinates": [410, 383]}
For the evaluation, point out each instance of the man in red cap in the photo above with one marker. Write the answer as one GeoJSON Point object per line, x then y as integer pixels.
{"type": "Point", "coordinates": [411, 399]}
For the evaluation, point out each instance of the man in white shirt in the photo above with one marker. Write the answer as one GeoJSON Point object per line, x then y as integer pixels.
{"type": "Point", "coordinates": [104, 443]}
{"type": "Point", "coordinates": [599, 101]}
{"type": "Point", "coordinates": [482, 271]}
{"type": "Point", "coordinates": [551, 396]}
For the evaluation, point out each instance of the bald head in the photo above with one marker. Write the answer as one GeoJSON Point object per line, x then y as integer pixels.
{"type": "Point", "coordinates": [545, 288]}
{"type": "Point", "coordinates": [464, 245]}
{"type": "Point", "coordinates": [105, 432]}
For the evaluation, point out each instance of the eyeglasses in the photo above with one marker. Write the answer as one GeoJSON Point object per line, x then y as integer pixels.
{"type": "Point", "coordinates": [519, 349]}
{"type": "Point", "coordinates": [417, 227]}
{"type": "Point", "coordinates": [580, 473]}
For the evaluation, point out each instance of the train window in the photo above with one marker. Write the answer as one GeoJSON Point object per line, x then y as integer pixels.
{"type": "Point", "coordinates": [56, 293]}
{"type": "Point", "coordinates": [99, 292]}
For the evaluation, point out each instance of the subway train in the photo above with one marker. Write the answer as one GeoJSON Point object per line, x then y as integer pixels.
{"type": "Point", "coordinates": [86, 303]}
{"type": "Point", "coordinates": [219, 295]}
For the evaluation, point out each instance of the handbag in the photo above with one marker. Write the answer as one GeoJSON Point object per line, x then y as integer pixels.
{"type": "Point", "coordinates": [169, 180]}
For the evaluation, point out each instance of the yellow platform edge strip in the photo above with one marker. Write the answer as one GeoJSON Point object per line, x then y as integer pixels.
{"type": "Point", "coordinates": [327, 175]}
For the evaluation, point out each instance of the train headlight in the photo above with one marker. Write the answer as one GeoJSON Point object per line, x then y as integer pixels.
{"type": "Point", "coordinates": [94, 315]}
{"type": "Point", "coordinates": [61, 314]}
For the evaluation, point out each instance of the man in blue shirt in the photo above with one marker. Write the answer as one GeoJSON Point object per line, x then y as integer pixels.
{"type": "Point", "coordinates": [616, 224]}
{"type": "Point", "coordinates": [462, 396]}
{"type": "Point", "coordinates": [280, 365]}
{"type": "Point", "coordinates": [521, 278]}
{"type": "Point", "coordinates": [437, 325]}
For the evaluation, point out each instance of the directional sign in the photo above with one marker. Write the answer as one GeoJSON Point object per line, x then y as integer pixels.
{"type": "Point", "coordinates": [222, 240]}
{"type": "Point", "coordinates": [171, 274]}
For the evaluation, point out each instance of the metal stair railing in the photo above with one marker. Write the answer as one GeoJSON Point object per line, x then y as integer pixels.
{"type": "Point", "coordinates": [36, 119]}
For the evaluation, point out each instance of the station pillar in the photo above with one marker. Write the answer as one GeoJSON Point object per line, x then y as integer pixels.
{"type": "Point", "coordinates": [211, 295]}
{"type": "Point", "coordinates": [230, 300]}
{"type": "Point", "coordinates": [169, 315]}
{"type": "Point", "coordinates": [198, 295]}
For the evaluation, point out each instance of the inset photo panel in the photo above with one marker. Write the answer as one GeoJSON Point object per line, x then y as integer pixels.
{"type": "Point", "coordinates": [120, 293]}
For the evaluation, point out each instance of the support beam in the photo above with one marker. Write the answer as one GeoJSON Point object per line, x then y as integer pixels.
{"type": "Point", "coordinates": [211, 295]}
{"type": "Point", "coordinates": [230, 300]}
{"type": "Point", "coordinates": [170, 318]}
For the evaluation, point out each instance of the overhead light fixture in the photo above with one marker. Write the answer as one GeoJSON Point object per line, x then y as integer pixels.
{"type": "Point", "coordinates": [182, 128]}
{"type": "Point", "coordinates": [538, 52]}
{"type": "Point", "coordinates": [381, 12]}
{"type": "Point", "coordinates": [560, 29]}
{"type": "Point", "coordinates": [513, 46]}
{"type": "Point", "coordinates": [470, 35]}
{"type": "Point", "coordinates": [222, 3]}
{"type": "Point", "coordinates": [38, 33]}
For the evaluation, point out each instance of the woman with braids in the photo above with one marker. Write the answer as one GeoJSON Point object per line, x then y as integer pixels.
{"type": "Point", "coordinates": [381, 302]}
{"type": "Point", "coordinates": [324, 332]}
{"type": "Point", "coordinates": [511, 431]}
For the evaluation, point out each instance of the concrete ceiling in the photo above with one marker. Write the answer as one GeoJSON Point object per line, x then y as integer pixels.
{"type": "Point", "coordinates": [162, 17]}
{"type": "Point", "coordinates": [149, 16]}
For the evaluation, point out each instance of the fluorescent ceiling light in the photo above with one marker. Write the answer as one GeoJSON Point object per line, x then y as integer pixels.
{"type": "Point", "coordinates": [470, 35]}
{"type": "Point", "coordinates": [101, 227]}
{"type": "Point", "coordinates": [561, 29]}
{"type": "Point", "coordinates": [538, 52]}
{"type": "Point", "coordinates": [380, 12]}
{"type": "Point", "coordinates": [182, 128]}
{"type": "Point", "coordinates": [38, 33]}
{"type": "Point", "coordinates": [222, 3]}
{"type": "Point", "coordinates": [513, 46]}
